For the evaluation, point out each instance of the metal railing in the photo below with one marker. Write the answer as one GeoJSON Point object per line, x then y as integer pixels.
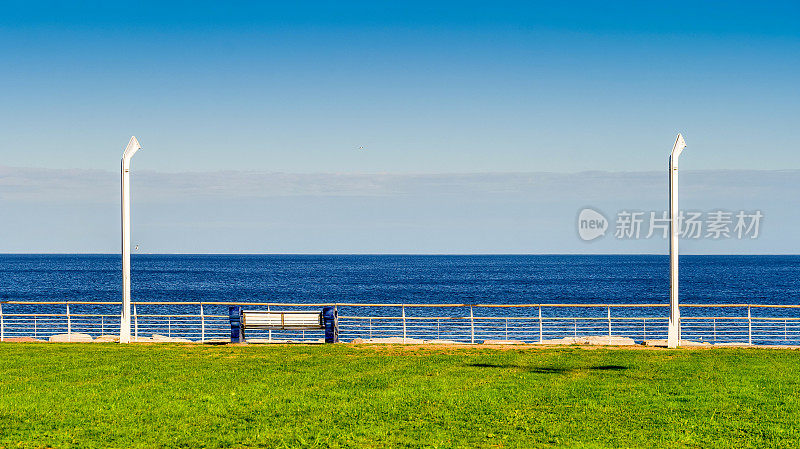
{"type": "Point", "coordinates": [463, 323]}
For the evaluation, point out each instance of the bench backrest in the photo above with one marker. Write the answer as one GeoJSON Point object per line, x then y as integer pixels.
{"type": "Point", "coordinates": [295, 320]}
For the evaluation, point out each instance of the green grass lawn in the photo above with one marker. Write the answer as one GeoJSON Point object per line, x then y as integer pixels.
{"type": "Point", "coordinates": [109, 395]}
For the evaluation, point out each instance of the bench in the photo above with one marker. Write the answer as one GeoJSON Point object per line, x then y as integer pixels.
{"type": "Point", "coordinates": [243, 320]}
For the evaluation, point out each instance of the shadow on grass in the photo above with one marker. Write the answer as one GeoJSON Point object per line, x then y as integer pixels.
{"type": "Point", "coordinates": [549, 369]}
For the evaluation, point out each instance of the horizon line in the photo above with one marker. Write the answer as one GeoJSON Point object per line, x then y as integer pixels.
{"type": "Point", "coordinates": [385, 254]}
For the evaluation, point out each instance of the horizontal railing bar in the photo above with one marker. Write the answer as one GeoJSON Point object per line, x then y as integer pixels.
{"type": "Point", "coordinates": [755, 306]}
{"type": "Point", "coordinates": [62, 303]}
{"type": "Point", "coordinates": [64, 315]}
{"type": "Point", "coordinates": [410, 305]}
{"type": "Point", "coordinates": [496, 318]}
{"type": "Point", "coordinates": [739, 318]}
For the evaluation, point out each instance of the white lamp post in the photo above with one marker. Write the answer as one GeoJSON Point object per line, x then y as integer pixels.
{"type": "Point", "coordinates": [674, 330]}
{"type": "Point", "coordinates": [125, 318]}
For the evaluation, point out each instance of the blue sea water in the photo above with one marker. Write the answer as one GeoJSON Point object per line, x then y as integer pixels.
{"type": "Point", "coordinates": [402, 278]}
{"type": "Point", "coordinates": [491, 279]}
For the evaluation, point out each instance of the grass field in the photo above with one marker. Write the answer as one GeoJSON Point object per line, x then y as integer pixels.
{"type": "Point", "coordinates": [108, 395]}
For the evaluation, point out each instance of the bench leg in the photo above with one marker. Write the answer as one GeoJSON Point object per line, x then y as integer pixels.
{"type": "Point", "coordinates": [237, 329]}
{"type": "Point", "coordinates": [330, 319]}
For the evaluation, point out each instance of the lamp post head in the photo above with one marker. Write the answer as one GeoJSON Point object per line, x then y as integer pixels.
{"type": "Point", "coordinates": [680, 144]}
{"type": "Point", "coordinates": [131, 149]}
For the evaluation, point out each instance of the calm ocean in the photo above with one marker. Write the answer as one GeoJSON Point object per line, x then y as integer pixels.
{"type": "Point", "coordinates": [402, 279]}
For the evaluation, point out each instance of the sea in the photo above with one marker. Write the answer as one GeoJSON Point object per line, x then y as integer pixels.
{"type": "Point", "coordinates": [397, 279]}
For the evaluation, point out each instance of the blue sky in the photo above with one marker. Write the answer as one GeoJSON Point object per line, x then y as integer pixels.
{"type": "Point", "coordinates": [450, 87]}
{"type": "Point", "coordinates": [446, 87]}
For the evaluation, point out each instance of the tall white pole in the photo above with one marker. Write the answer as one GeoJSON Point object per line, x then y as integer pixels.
{"type": "Point", "coordinates": [674, 330]}
{"type": "Point", "coordinates": [125, 317]}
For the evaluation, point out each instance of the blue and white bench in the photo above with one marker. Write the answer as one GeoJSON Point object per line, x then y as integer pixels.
{"type": "Point", "coordinates": [243, 320]}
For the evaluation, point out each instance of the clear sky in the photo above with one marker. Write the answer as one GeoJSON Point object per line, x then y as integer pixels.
{"type": "Point", "coordinates": [424, 87]}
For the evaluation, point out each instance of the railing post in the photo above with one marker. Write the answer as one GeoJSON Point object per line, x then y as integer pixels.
{"type": "Point", "coordinates": [506, 328]}
{"type": "Point", "coordinates": [785, 333]}
{"type": "Point", "coordinates": [575, 323]}
{"type": "Point", "coordinates": [471, 325]}
{"type": "Point", "coordinates": [370, 328]}
{"type": "Point", "coordinates": [69, 325]}
{"type": "Point", "coordinates": [403, 311]}
{"type": "Point", "coordinates": [336, 323]}
{"type": "Point", "coordinates": [35, 334]}
{"type": "Point", "coordinates": [202, 324]}
{"type": "Point", "coordinates": [135, 324]}
{"type": "Point", "coordinates": [749, 326]}
{"type": "Point", "coordinates": [269, 332]}
{"type": "Point", "coordinates": [608, 308]}
{"type": "Point", "coordinates": [715, 329]}
{"type": "Point", "coordinates": [2, 324]}
{"type": "Point", "coordinates": [541, 333]}
{"type": "Point", "coordinates": [438, 329]}
{"type": "Point", "coordinates": [169, 326]}
{"type": "Point", "coordinates": [644, 328]}
{"type": "Point", "coordinates": [102, 325]}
